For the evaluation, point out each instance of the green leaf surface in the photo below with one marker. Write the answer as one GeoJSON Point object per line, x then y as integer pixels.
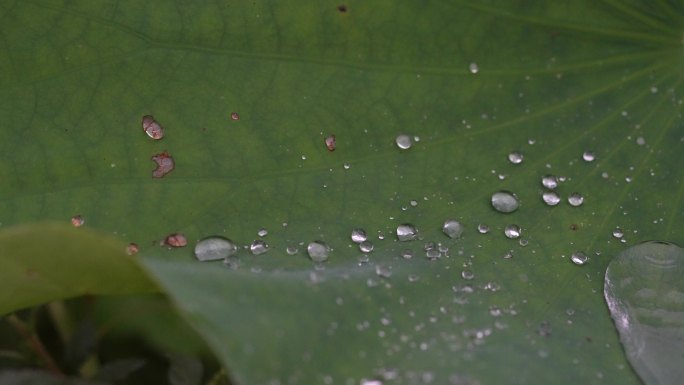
{"type": "Point", "coordinates": [553, 80]}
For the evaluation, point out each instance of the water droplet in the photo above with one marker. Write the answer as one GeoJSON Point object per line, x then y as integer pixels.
{"type": "Point", "coordinates": [551, 198]}
{"type": "Point", "coordinates": [515, 157]}
{"type": "Point", "coordinates": [403, 142]}
{"type": "Point", "coordinates": [77, 221]}
{"type": "Point", "coordinates": [234, 116]}
{"type": "Point", "coordinates": [645, 292]}
{"type": "Point", "coordinates": [588, 156]}
{"type": "Point", "coordinates": [504, 202]}
{"type": "Point", "coordinates": [132, 249]}
{"type": "Point", "coordinates": [512, 231]}
{"type": "Point", "coordinates": [467, 275]}
{"type": "Point", "coordinates": [482, 229]}
{"type": "Point", "coordinates": [152, 128]}
{"type": "Point", "coordinates": [213, 248]}
{"type": "Point", "coordinates": [406, 232]}
{"type": "Point", "coordinates": [262, 232]}
{"type": "Point", "coordinates": [432, 254]}
{"type": "Point", "coordinates": [618, 234]}
{"type": "Point", "coordinates": [413, 277]}
{"type": "Point", "coordinates": [383, 271]}
{"type": "Point", "coordinates": [291, 250]}
{"type": "Point", "coordinates": [164, 163]}
{"type": "Point", "coordinates": [407, 254]}
{"type": "Point", "coordinates": [640, 141]}
{"type": "Point", "coordinates": [363, 259]}
{"type": "Point", "coordinates": [318, 251]}
{"type": "Point", "coordinates": [575, 199]}
{"type": "Point", "coordinates": [579, 258]}
{"type": "Point", "coordinates": [175, 240]}
{"type": "Point", "coordinates": [366, 246]}
{"type": "Point", "coordinates": [550, 182]}
{"type": "Point", "coordinates": [330, 143]}
{"type": "Point", "coordinates": [365, 381]}
{"type": "Point", "coordinates": [473, 68]}
{"type": "Point", "coordinates": [358, 235]}
{"type": "Point", "coordinates": [346, 166]}
{"type": "Point", "coordinates": [452, 228]}
{"type": "Point", "coordinates": [258, 247]}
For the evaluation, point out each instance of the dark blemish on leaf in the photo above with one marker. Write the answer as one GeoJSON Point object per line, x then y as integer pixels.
{"type": "Point", "coordinates": [164, 163]}
{"type": "Point", "coordinates": [235, 116]}
{"type": "Point", "coordinates": [330, 143]}
{"type": "Point", "coordinates": [152, 128]}
{"type": "Point", "coordinates": [342, 8]}
{"type": "Point", "coordinates": [587, 338]}
{"type": "Point", "coordinates": [176, 240]}
{"type": "Point", "coordinates": [574, 227]}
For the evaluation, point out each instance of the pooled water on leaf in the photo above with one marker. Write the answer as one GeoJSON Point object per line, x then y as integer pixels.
{"type": "Point", "coordinates": [258, 247]}
{"type": "Point", "coordinates": [318, 251]}
{"type": "Point", "coordinates": [452, 228]}
{"type": "Point", "coordinates": [383, 271]}
{"type": "Point", "coordinates": [550, 182]}
{"type": "Point", "coordinates": [579, 258]}
{"type": "Point", "coordinates": [213, 248]}
{"type": "Point", "coordinates": [515, 157]}
{"type": "Point", "coordinates": [403, 141]}
{"type": "Point", "coordinates": [575, 199]}
{"type": "Point", "coordinates": [505, 202]}
{"type": "Point", "coordinates": [551, 198]}
{"type": "Point", "coordinates": [358, 235]}
{"type": "Point", "coordinates": [512, 231]}
{"type": "Point", "coordinates": [406, 232]}
{"type": "Point", "coordinates": [644, 291]}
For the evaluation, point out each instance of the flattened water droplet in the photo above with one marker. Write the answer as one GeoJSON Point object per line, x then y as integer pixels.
{"type": "Point", "coordinates": [152, 128]}
{"type": "Point", "coordinates": [452, 228]}
{"type": "Point", "coordinates": [575, 199]}
{"type": "Point", "coordinates": [258, 247]}
{"type": "Point", "coordinates": [366, 246]}
{"type": "Point", "coordinates": [403, 142]}
{"type": "Point", "coordinates": [473, 68]}
{"type": "Point", "coordinates": [262, 232]}
{"type": "Point", "coordinates": [175, 240]}
{"type": "Point", "coordinates": [318, 251]}
{"type": "Point", "coordinates": [291, 250]}
{"type": "Point", "coordinates": [407, 254]}
{"type": "Point", "coordinates": [358, 235]}
{"type": "Point", "coordinates": [617, 233]}
{"type": "Point", "coordinates": [588, 156]}
{"type": "Point", "coordinates": [406, 232]}
{"type": "Point", "coordinates": [164, 163]}
{"type": "Point", "coordinates": [579, 258]}
{"type": "Point", "coordinates": [77, 221]}
{"type": "Point", "coordinates": [213, 248]}
{"type": "Point", "coordinates": [505, 201]}
{"type": "Point", "coordinates": [550, 182]}
{"type": "Point", "coordinates": [644, 291]}
{"type": "Point", "coordinates": [482, 229]}
{"type": "Point", "coordinates": [383, 271]}
{"type": "Point", "coordinates": [512, 231]}
{"type": "Point", "coordinates": [515, 157]}
{"type": "Point", "coordinates": [551, 198]}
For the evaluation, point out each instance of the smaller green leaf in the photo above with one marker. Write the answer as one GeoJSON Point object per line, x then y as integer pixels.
{"type": "Point", "coordinates": [50, 261]}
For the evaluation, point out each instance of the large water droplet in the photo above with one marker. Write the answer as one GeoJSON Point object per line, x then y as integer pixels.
{"type": "Point", "coordinates": [644, 290]}
{"type": "Point", "coordinates": [550, 182]}
{"type": "Point", "coordinates": [358, 235]}
{"type": "Point", "coordinates": [152, 128]}
{"type": "Point", "coordinates": [406, 232]}
{"type": "Point", "coordinates": [579, 258]}
{"type": "Point", "coordinates": [505, 202]}
{"type": "Point", "coordinates": [366, 246]}
{"type": "Point", "coordinates": [512, 231]}
{"type": "Point", "coordinates": [551, 198]}
{"type": "Point", "coordinates": [213, 248]}
{"type": "Point", "coordinates": [575, 199]}
{"type": "Point", "coordinates": [452, 228]}
{"type": "Point", "coordinates": [403, 141]}
{"type": "Point", "coordinates": [515, 157]}
{"type": "Point", "coordinates": [318, 251]}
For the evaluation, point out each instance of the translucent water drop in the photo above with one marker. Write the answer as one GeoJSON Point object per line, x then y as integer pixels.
{"type": "Point", "coordinates": [213, 248]}
{"type": "Point", "coordinates": [579, 258]}
{"type": "Point", "coordinates": [403, 141]}
{"type": "Point", "coordinates": [482, 228]}
{"type": "Point", "coordinates": [366, 246]}
{"type": "Point", "coordinates": [640, 141]}
{"type": "Point", "coordinates": [407, 254]}
{"type": "Point", "coordinates": [433, 254]}
{"type": "Point", "coordinates": [550, 182]}
{"type": "Point", "coordinates": [467, 275]}
{"type": "Point", "coordinates": [346, 166]}
{"type": "Point", "coordinates": [291, 250]}
{"type": "Point", "coordinates": [383, 271]}
{"type": "Point", "coordinates": [515, 157]}
{"type": "Point", "coordinates": [413, 277]}
{"type": "Point", "coordinates": [258, 247]}
{"type": "Point", "coordinates": [152, 128]}
{"type": "Point", "coordinates": [512, 231]}
{"type": "Point", "coordinates": [358, 235]}
{"type": "Point", "coordinates": [452, 228]}
{"type": "Point", "coordinates": [551, 198]}
{"type": "Point", "coordinates": [318, 251]}
{"type": "Point", "coordinates": [77, 221]}
{"type": "Point", "coordinates": [575, 199]}
{"type": "Point", "coordinates": [262, 232]}
{"type": "Point", "coordinates": [363, 259]}
{"type": "Point", "coordinates": [588, 156]}
{"type": "Point", "coordinates": [473, 68]}
{"type": "Point", "coordinates": [644, 291]}
{"type": "Point", "coordinates": [505, 202]}
{"type": "Point", "coordinates": [406, 232]}
{"type": "Point", "coordinates": [618, 234]}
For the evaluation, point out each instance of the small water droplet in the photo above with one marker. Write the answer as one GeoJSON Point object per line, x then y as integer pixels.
{"type": "Point", "coordinates": [467, 275]}
{"type": "Point", "coordinates": [452, 228]}
{"type": "Point", "coordinates": [495, 311]}
{"type": "Point", "coordinates": [482, 228]}
{"type": "Point", "coordinates": [291, 250]}
{"type": "Point", "coordinates": [132, 249]}
{"type": "Point", "coordinates": [432, 254]}
{"type": "Point", "coordinates": [640, 141]}
{"type": "Point", "coordinates": [515, 157]}
{"type": "Point", "coordinates": [358, 235]}
{"type": "Point", "coordinates": [363, 259]}
{"type": "Point", "coordinates": [550, 182]}
{"type": "Point", "coordinates": [346, 166]}
{"type": "Point", "coordinates": [258, 247]}
{"type": "Point", "coordinates": [512, 231]}
{"type": "Point", "coordinates": [473, 68]}
{"type": "Point", "coordinates": [213, 248]}
{"type": "Point", "coordinates": [551, 198]}
{"type": "Point", "coordinates": [383, 271]}
{"type": "Point", "coordinates": [407, 254]}
{"type": "Point", "coordinates": [403, 142]}
{"type": "Point", "coordinates": [413, 203]}
{"type": "Point", "coordinates": [588, 156]}
{"type": "Point", "coordinates": [175, 240]}
{"type": "Point", "coordinates": [406, 232]}
{"type": "Point", "coordinates": [262, 232]}
{"type": "Point", "coordinates": [164, 163]}
{"type": "Point", "coordinates": [575, 199]}
{"type": "Point", "coordinates": [366, 246]}
{"type": "Point", "coordinates": [152, 128]}
{"type": "Point", "coordinates": [330, 143]}
{"type": "Point", "coordinates": [318, 251]}
{"type": "Point", "coordinates": [413, 278]}
{"type": "Point", "coordinates": [618, 234]}
{"type": "Point", "coordinates": [505, 202]}
{"type": "Point", "coordinates": [77, 221]}
{"type": "Point", "coordinates": [234, 116]}
{"type": "Point", "coordinates": [579, 258]}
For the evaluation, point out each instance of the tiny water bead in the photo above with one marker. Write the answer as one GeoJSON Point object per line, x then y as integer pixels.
{"type": "Point", "coordinates": [175, 240]}
{"type": "Point", "coordinates": [406, 232]}
{"type": "Point", "coordinates": [551, 198]}
{"type": "Point", "coordinates": [407, 254]}
{"type": "Point", "coordinates": [262, 232]}
{"type": "Point", "coordinates": [291, 250]}
{"type": "Point", "coordinates": [358, 235]}
{"type": "Point", "coordinates": [579, 258]}
{"type": "Point", "coordinates": [330, 143]}
{"type": "Point", "coordinates": [482, 228]}
{"type": "Point", "coordinates": [512, 231]}
{"type": "Point", "coordinates": [213, 248]}
{"type": "Point", "coordinates": [550, 181]}
{"type": "Point", "coordinates": [164, 163]}
{"type": "Point", "coordinates": [618, 234]}
{"type": "Point", "coordinates": [258, 247]}
{"type": "Point", "coordinates": [473, 68]}
{"type": "Point", "coordinates": [505, 201]}
{"type": "Point", "coordinates": [467, 275]}
{"type": "Point", "coordinates": [152, 128]}
{"type": "Point", "coordinates": [77, 221]}
{"type": "Point", "coordinates": [318, 251]}
{"type": "Point", "coordinates": [452, 228]}
{"type": "Point", "coordinates": [588, 156]}
{"type": "Point", "coordinates": [515, 157]}
{"type": "Point", "coordinates": [366, 246]}
{"type": "Point", "coordinates": [644, 289]}
{"type": "Point", "coordinates": [575, 199]}
{"type": "Point", "coordinates": [403, 141]}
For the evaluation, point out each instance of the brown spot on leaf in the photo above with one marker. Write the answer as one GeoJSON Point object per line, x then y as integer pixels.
{"type": "Point", "coordinates": [342, 8]}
